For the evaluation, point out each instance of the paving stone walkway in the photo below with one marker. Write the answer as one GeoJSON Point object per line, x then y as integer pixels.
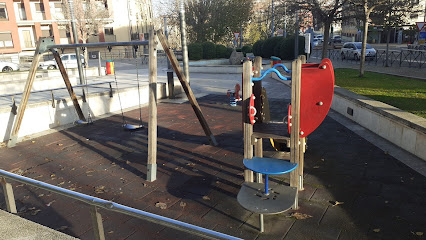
{"type": "Point", "coordinates": [353, 190]}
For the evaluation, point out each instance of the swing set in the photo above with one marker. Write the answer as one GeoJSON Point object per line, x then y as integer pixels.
{"type": "Point", "coordinates": [47, 44]}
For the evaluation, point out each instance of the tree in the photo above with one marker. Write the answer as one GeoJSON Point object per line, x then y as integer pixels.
{"type": "Point", "coordinates": [89, 17]}
{"type": "Point", "coordinates": [216, 20]}
{"type": "Point", "coordinates": [326, 12]}
{"type": "Point", "coordinates": [393, 14]}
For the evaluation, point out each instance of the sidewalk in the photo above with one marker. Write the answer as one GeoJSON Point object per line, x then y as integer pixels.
{"type": "Point", "coordinates": [353, 190]}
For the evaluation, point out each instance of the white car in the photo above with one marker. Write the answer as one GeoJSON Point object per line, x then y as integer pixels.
{"type": "Point", "coordinates": [319, 37]}
{"type": "Point", "coordinates": [8, 66]}
{"type": "Point", "coordinates": [352, 50]}
{"type": "Point", "coordinates": [69, 60]}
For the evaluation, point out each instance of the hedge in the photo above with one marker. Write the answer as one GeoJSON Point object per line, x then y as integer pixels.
{"type": "Point", "coordinates": [247, 49]}
{"type": "Point", "coordinates": [209, 50]}
{"type": "Point", "coordinates": [269, 46]}
{"type": "Point", "coordinates": [195, 51]}
{"type": "Point", "coordinates": [287, 48]}
{"type": "Point", "coordinates": [257, 47]}
{"type": "Point", "coordinates": [221, 51]}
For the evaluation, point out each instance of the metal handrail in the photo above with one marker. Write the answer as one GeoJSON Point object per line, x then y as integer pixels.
{"type": "Point", "coordinates": [54, 89]}
{"type": "Point", "coordinates": [115, 207]}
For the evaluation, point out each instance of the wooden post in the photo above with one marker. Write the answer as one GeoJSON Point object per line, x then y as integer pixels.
{"type": "Point", "coordinates": [257, 89]}
{"type": "Point", "coordinates": [98, 227]}
{"type": "Point", "coordinates": [68, 85]}
{"type": "Point", "coordinates": [25, 96]}
{"type": "Point", "coordinates": [302, 142]}
{"type": "Point", "coordinates": [186, 88]}
{"type": "Point", "coordinates": [247, 127]}
{"type": "Point", "coordinates": [295, 178]}
{"type": "Point", "coordinates": [8, 195]}
{"type": "Point", "coordinates": [258, 152]}
{"type": "Point", "coordinates": [152, 116]}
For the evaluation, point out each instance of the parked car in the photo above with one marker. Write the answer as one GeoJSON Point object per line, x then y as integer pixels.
{"type": "Point", "coordinates": [315, 42]}
{"type": "Point", "coordinates": [8, 66]}
{"type": "Point", "coordinates": [69, 60]}
{"type": "Point", "coordinates": [320, 38]}
{"type": "Point", "coordinates": [336, 39]}
{"type": "Point", "coordinates": [352, 50]}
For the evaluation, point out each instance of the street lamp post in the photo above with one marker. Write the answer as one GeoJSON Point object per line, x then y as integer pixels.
{"type": "Point", "coordinates": [77, 50]}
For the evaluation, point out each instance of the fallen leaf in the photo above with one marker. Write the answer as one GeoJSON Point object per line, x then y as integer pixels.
{"type": "Point", "coordinates": [33, 141]}
{"type": "Point", "coordinates": [183, 204]}
{"type": "Point", "coordinates": [110, 232]}
{"type": "Point", "coordinates": [127, 162]}
{"type": "Point", "coordinates": [90, 171]}
{"type": "Point", "coordinates": [50, 203]}
{"type": "Point", "coordinates": [195, 170]}
{"type": "Point", "coordinates": [52, 175]}
{"type": "Point", "coordinates": [335, 203]}
{"type": "Point", "coordinates": [61, 183]}
{"type": "Point", "coordinates": [41, 195]}
{"type": "Point", "coordinates": [100, 189]}
{"type": "Point", "coordinates": [60, 144]}
{"type": "Point", "coordinates": [300, 216]}
{"type": "Point", "coordinates": [35, 212]}
{"type": "Point", "coordinates": [419, 233]}
{"type": "Point", "coordinates": [206, 198]}
{"type": "Point", "coordinates": [144, 184]}
{"type": "Point", "coordinates": [61, 228]}
{"type": "Point", "coordinates": [316, 167]}
{"type": "Point", "coordinates": [161, 205]}
{"type": "Point", "coordinates": [376, 230]}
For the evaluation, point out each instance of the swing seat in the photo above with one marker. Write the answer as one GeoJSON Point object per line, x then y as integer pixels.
{"type": "Point", "coordinates": [132, 127]}
{"type": "Point", "coordinates": [81, 122]}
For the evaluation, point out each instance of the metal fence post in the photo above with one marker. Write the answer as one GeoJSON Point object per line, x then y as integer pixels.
{"type": "Point", "coordinates": [8, 195]}
{"type": "Point", "coordinates": [98, 227]}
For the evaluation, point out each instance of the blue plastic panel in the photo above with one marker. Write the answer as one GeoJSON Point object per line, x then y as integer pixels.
{"type": "Point", "coordinates": [270, 166]}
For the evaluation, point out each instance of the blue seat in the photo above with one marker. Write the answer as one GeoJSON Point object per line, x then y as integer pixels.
{"type": "Point", "coordinates": [269, 166]}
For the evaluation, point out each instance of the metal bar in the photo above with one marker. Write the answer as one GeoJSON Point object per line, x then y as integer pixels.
{"type": "Point", "coordinates": [68, 85]}
{"type": "Point", "coordinates": [98, 227]}
{"type": "Point", "coordinates": [115, 207]}
{"type": "Point", "coordinates": [103, 44]}
{"type": "Point", "coordinates": [54, 89]}
{"type": "Point", "coordinates": [261, 224]}
{"type": "Point", "coordinates": [9, 197]}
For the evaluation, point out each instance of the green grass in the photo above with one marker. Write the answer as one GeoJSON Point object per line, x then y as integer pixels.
{"type": "Point", "coordinates": [404, 93]}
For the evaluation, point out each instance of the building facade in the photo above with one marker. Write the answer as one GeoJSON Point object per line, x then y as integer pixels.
{"type": "Point", "coordinates": [23, 22]}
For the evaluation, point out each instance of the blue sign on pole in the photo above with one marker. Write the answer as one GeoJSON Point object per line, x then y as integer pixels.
{"type": "Point", "coordinates": [422, 35]}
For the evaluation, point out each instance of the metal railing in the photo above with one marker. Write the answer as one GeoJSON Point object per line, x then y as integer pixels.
{"type": "Point", "coordinates": [104, 204]}
{"type": "Point", "coordinates": [403, 58]}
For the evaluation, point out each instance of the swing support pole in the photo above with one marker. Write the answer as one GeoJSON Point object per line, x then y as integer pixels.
{"type": "Point", "coordinates": [186, 88]}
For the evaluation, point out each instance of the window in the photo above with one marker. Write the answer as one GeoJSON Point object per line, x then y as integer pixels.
{"type": "Point", "coordinates": [46, 31]}
{"type": "Point", "coordinates": [58, 7]}
{"type": "Point", "coordinates": [73, 57]}
{"type": "Point", "coordinates": [6, 40]}
{"type": "Point", "coordinates": [109, 31]}
{"type": "Point", "coordinates": [21, 11]}
{"type": "Point", "coordinates": [39, 7]}
{"type": "Point", "coordinates": [64, 58]}
{"type": "Point", "coordinates": [3, 12]}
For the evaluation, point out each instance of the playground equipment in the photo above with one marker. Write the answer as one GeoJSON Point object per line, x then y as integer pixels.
{"type": "Point", "coordinates": [47, 44]}
{"type": "Point", "coordinates": [312, 90]}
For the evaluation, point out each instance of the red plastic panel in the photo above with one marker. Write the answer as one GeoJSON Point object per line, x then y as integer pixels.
{"type": "Point", "coordinates": [316, 95]}
{"type": "Point", "coordinates": [252, 110]}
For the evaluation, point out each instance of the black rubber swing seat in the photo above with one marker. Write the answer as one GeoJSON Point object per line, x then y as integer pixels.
{"type": "Point", "coordinates": [81, 122]}
{"type": "Point", "coordinates": [132, 127]}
